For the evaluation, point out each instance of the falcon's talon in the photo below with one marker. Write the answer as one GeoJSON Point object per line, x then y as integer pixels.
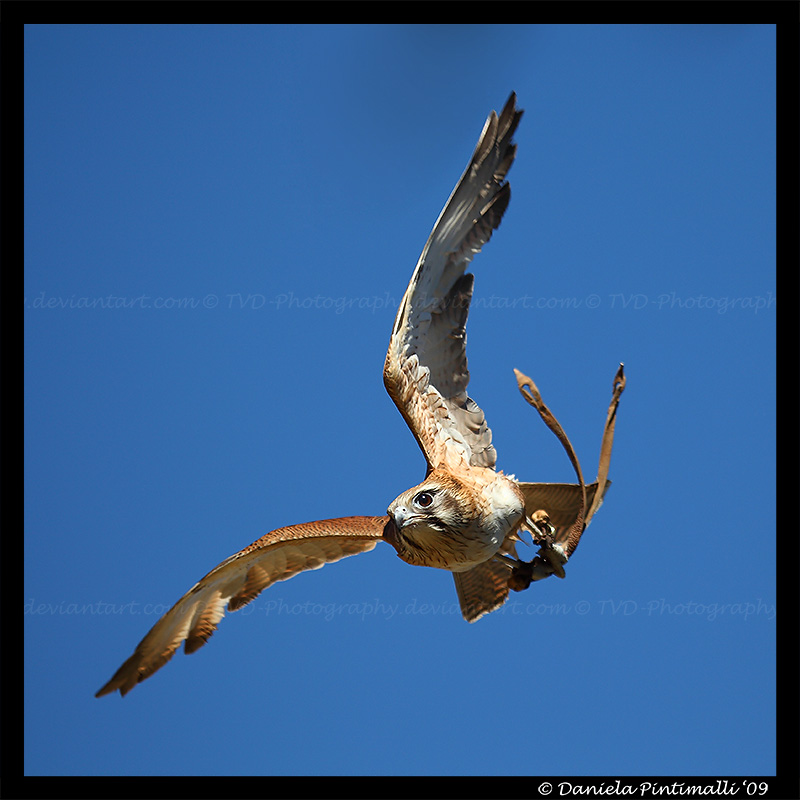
{"type": "Point", "coordinates": [539, 525]}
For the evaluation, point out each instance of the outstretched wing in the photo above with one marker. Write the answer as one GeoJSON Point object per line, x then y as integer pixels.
{"type": "Point", "coordinates": [426, 365]}
{"type": "Point", "coordinates": [236, 581]}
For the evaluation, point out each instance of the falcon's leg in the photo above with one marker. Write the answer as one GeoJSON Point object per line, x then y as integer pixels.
{"type": "Point", "coordinates": [550, 550]}
{"type": "Point", "coordinates": [549, 561]}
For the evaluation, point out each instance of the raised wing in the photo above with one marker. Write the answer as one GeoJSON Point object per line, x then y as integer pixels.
{"type": "Point", "coordinates": [236, 581]}
{"type": "Point", "coordinates": [426, 365]}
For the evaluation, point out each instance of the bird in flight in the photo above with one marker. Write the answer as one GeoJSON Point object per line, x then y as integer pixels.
{"type": "Point", "coordinates": [465, 516]}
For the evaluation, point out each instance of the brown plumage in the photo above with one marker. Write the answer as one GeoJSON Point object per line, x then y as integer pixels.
{"type": "Point", "coordinates": [465, 516]}
{"type": "Point", "coordinates": [237, 580]}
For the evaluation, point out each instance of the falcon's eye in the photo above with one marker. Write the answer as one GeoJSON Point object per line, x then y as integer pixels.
{"type": "Point", "coordinates": [423, 499]}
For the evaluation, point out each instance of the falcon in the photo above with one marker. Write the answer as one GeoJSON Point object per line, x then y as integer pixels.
{"type": "Point", "coordinates": [465, 516]}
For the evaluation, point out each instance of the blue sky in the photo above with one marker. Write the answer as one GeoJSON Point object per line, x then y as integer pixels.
{"type": "Point", "coordinates": [219, 223]}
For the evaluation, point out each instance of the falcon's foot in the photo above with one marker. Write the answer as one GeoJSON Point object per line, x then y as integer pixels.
{"type": "Point", "coordinates": [549, 561]}
{"type": "Point", "coordinates": [550, 550]}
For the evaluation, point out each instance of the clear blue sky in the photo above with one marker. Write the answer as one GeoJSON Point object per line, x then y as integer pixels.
{"type": "Point", "coordinates": [219, 224]}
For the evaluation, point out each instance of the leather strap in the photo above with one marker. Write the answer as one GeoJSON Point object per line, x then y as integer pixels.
{"type": "Point", "coordinates": [532, 396]}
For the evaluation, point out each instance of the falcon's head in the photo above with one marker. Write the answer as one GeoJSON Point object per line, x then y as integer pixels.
{"type": "Point", "coordinates": [445, 522]}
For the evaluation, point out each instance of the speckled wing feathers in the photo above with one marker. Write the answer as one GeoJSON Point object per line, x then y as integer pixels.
{"type": "Point", "coordinates": [236, 581]}
{"type": "Point", "coordinates": [426, 367]}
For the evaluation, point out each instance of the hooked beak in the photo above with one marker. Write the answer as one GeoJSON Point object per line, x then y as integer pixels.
{"type": "Point", "coordinates": [400, 515]}
{"type": "Point", "coordinates": [390, 532]}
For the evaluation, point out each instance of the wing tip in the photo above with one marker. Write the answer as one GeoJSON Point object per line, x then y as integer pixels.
{"type": "Point", "coordinates": [496, 136]}
{"type": "Point", "coordinates": [510, 116]}
{"type": "Point", "coordinates": [121, 680]}
{"type": "Point", "coordinates": [120, 683]}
